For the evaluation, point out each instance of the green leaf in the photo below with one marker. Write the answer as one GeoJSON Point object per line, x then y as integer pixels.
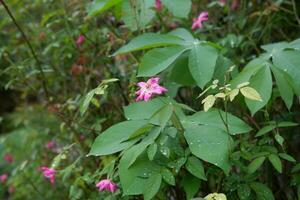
{"type": "Point", "coordinates": [202, 62]}
{"type": "Point", "coordinates": [250, 93]}
{"type": "Point", "coordinates": [179, 8]}
{"type": "Point", "coordinates": [152, 186]}
{"type": "Point", "coordinates": [144, 110]}
{"type": "Point", "coordinates": [255, 164]}
{"type": "Point", "coordinates": [262, 83]}
{"type": "Point", "coordinates": [168, 176]}
{"type": "Point", "coordinates": [283, 82]}
{"type": "Point", "coordinates": [157, 60]}
{"type": "Point", "coordinates": [208, 102]}
{"type": "Point", "coordinates": [98, 6]}
{"type": "Point", "coordinates": [265, 130]}
{"type": "Point", "coordinates": [86, 102]}
{"type": "Point", "coordinates": [190, 185]}
{"type": "Point", "coordinates": [213, 118]}
{"type": "Point", "coordinates": [262, 191]}
{"type": "Point", "coordinates": [275, 46]}
{"type": "Point", "coordinates": [279, 139]}
{"type": "Point", "coordinates": [289, 62]}
{"type": "Point", "coordinates": [114, 139]}
{"type": "Point", "coordinates": [195, 167]}
{"type": "Point", "coordinates": [138, 13]}
{"type": "Point", "coordinates": [134, 179]}
{"type": "Point", "coordinates": [138, 149]}
{"type": "Point", "coordinates": [180, 72]}
{"type": "Point", "coordinates": [149, 40]}
{"type": "Point", "coordinates": [287, 157]}
{"type": "Point", "coordinates": [250, 69]}
{"type": "Point", "coordinates": [152, 149]}
{"type": "Point", "coordinates": [276, 162]}
{"type": "Point", "coordinates": [222, 65]}
{"type": "Point", "coordinates": [183, 34]}
{"type": "Point", "coordinates": [209, 143]}
{"type": "Point", "coordinates": [287, 124]}
{"type": "Point", "coordinates": [244, 191]}
{"type": "Point", "coordinates": [162, 116]}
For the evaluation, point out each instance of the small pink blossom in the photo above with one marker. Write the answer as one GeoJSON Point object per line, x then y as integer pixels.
{"type": "Point", "coordinates": [8, 158]}
{"type": "Point", "coordinates": [197, 22]}
{"type": "Point", "coordinates": [11, 189]}
{"type": "Point", "coordinates": [222, 2]}
{"type": "Point", "coordinates": [107, 184]}
{"type": "Point", "coordinates": [234, 4]}
{"type": "Point", "coordinates": [50, 144]}
{"type": "Point", "coordinates": [80, 40]}
{"type": "Point", "coordinates": [49, 173]}
{"type": "Point", "coordinates": [3, 178]}
{"type": "Point", "coordinates": [147, 89]}
{"type": "Point", "coordinates": [158, 5]}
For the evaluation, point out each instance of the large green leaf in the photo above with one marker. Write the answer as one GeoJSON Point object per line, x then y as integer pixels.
{"type": "Point", "coordinates": [276, 162]}
{"type": "Point", "coordinates": [213, 118]}
{"type": "Point", "coordinates": [210, 144]}
{"type": "Point", "coordinates": [98, 6]}
{"type": "Point", "coordinates": [202, 62]}
{"type": "Point", "coordinates": [152, 186]}
{"type": "Point", "coordinates": [137, 13]}
{"type": "Point", "coordinates": [180, 72]}
{"type": "Point", "coordinates": [195, 167]}
{"type": "Point", "coordinates": [255, 164]}
{"type": "Point", "coordinates": [179, 8]}
{"type": "Point", "coordinates": [262, 191]}
{"type": "Point", "coordinates": [162, 116]}
{"type": "Point", "coordinates": [114, 139]}
{"type": "Point", "coordinates": [149, 40]}
{"type": "Point", "coordinates": [222, 65]}
{"type": "Point", "coordinates": [191, 185]}
{"type": "Point", "coordinates": [157, 60]}
{"type": "Point", "coordinates": [183, 34]}
{"type": "Point", "coordinates": [283, 82]}
{"type": "Point", "coordinates": [138, 149]}
{"type": "Point", "coordinates": [134, 179]}
{"type": "Point", "coordinates": [144, 110]}
{"type": "Point", "coordinates": [289, 62]}
{"type": "Point", "coordinates": [250, 69]}
{"type": "Point", "coordinates": [262, 83]}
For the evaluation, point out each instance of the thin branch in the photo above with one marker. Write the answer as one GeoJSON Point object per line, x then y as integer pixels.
{"type": "Point", "coordinates": [43, 77]}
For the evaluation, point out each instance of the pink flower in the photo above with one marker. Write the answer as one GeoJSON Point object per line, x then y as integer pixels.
{"type": "Point", "coordinates": [8, 158]}
{"type": "Point", "coordinates": [147, 89]}
{"type": "Point", "coordinates": [11, 189]}
{"type": "Point", "coordinates": [222, 2]}
{"type": "Point", "coordinates": [158, 5]}
{"type": "Point", "coordinates": [80, 40]}
{"type": "Point", "coordinates": [234, 4]}
{"type": "Point", "coordinates": [49, 173]}
{"type": "Point", "coordinates": [107, 184]}
{"type": "Point", "coordinates": [50, 144]}
{"type": "Point", "coordinates": [3, 178]}
{"type": "Point", "coordinates": [197, 22]}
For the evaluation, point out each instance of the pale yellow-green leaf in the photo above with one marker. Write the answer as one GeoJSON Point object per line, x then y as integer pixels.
{"type": "Point", "coordinates": [250, 93]}
{"type": "Point", "coordinates": [233, 93]}
{"type": "Point", "coordinates": [208, 102]}
{"type": "Point", "coordinates": [242, 85]}
{"type": "Point", "coordinates": [216, 196]}
{"type": "Point", "coordinates": [220, 95]}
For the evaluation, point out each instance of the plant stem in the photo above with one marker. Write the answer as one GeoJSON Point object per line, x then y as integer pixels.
{"type": "Point", "coordinates": [43, 77]}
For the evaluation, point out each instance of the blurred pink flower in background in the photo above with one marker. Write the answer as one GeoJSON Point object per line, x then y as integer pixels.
{"type": "Point", "coordinates": [8, 158]}
{"type": "Point", "coordinates": [80, 40]}
{"type": "Point", "coordinates": [197, 22]}
{"type": "Point", "coordinates": [147, 89]}
{"type": "Point", "coordinates": [49, 173]}
{"type": "Point", "coordinates": [158, 5]}
{"type": "Point", "coordinates": [50, 144]}
{"type": "Point", "coordinates": [11, 189]}
{"type": "Point", "coordinates": [3, 178]}
{"type": "Point", "coordinates": [234, 4]}
{"type": "Point", "coordinates": [107, 184]}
